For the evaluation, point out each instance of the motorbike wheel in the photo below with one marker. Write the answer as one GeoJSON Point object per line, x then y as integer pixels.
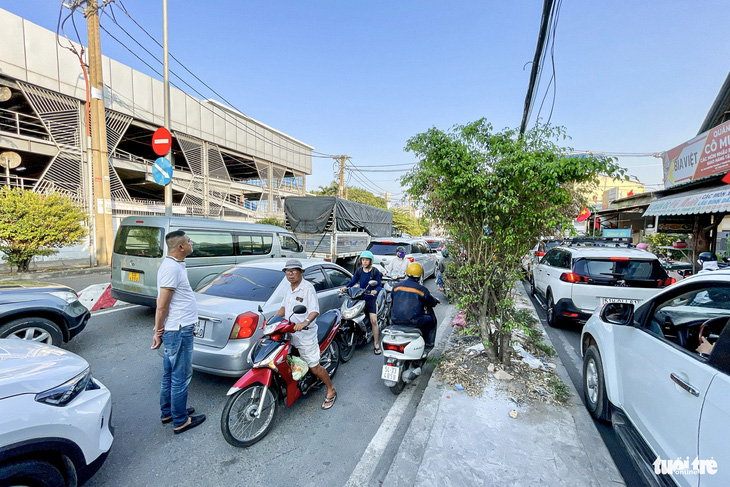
{"type": "Point", "coordinates": [398, 387]}
{"type": "Point", "coordinates": [239, 425]}
{"type": "Point", "coordinates": [330, 358]}
{"type": "Point", "coordinates": [347, 342]}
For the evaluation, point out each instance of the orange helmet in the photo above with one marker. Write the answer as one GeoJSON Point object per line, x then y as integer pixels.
{"type": "Point", "coordinates": [414, 269]}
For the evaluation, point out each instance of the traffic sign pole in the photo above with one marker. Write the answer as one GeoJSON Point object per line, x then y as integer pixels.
{"type": "Point", "coordinates": [166, 72]}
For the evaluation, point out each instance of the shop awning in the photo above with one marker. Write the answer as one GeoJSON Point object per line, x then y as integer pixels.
{"type": "Point", "coordinates": [713, 200]}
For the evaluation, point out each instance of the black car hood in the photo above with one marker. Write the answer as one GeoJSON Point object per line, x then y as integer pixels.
{"type": "Point", "coordinates": [17, 291]}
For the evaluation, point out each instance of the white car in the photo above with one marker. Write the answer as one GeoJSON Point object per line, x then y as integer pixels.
{"type": "Point", "coordinates": [668, 402]}
{"type": "Point", "coordinates": [417, 250]}
{"type": "Point", "coordinates": [535, 254]}
{"type": "Point", "coordinates": [573, 281]}
{"type": "Point", "coordinates": [54, 426]}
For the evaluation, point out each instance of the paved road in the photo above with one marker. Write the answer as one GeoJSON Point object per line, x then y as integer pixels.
{"type": "Point", "coordinates": [566, 341]}
{"type": "Point", "coordinates": [307, 446]}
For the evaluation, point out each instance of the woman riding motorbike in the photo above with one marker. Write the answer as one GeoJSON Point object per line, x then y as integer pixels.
{"type": "Point", "coordinates": [363, 275]}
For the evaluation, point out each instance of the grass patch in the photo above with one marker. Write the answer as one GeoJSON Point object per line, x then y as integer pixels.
{"type": "Point", "coordinates": [435, 361]}
{"type": "Point", "coordinates": [560, 390]}
{"type": "Point", "coordinates": [544, 348]}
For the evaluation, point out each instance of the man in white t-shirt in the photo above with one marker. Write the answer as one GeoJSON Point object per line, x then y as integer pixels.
{"type": "Point", "coordinates": [175, 320]}
{"type": "Point", "coordinates": [302, 292]}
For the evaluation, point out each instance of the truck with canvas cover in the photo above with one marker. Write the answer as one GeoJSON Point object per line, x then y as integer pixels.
{"type": "Point", "coordinates": [331, 228]}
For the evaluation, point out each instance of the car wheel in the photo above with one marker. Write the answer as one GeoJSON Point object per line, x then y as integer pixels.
{"type": "Point", "coordinates": [32, 328]}
{"type": "Point", "coordinates": [552, 319]}
{"type": "Point", "coordinates": [594, 385]}
{"type": "Point", "coordinates": [532, 286]}
{"type": "Point", "coordinates": [33, 473]}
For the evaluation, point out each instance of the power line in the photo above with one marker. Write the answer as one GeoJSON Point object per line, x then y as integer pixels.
{"type": "Point", "coordinates": [123, 7]}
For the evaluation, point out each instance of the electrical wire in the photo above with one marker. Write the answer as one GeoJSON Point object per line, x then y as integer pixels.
{"type": "Point", "coordinates": [126, 12]}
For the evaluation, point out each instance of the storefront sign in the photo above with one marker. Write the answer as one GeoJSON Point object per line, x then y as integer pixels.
{"type": "Point", "coordinates": [616, 232]}
{"type": "Point", "coordinates": [705, 155]}
{"type": "Point", "coordinates": [676, 224]}
{"type": "Point", "coordinates": [709, 201]}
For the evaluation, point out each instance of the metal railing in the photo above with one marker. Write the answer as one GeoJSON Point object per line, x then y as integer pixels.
{"type": "Point", "coordinates": [22, 124]}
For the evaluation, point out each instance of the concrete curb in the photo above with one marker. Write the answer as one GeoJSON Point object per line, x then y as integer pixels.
{"type": "Point", "coordinates": [410, 452]}
{"type": "Point", "coordinates": [72, 271]}
{"type": "Point", "coordinates": [601, 462]}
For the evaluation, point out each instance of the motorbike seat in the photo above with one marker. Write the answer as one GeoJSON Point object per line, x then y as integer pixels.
{"type": "Point", "coordinates": [325, 323]}
{"type": "Point", "coordinates": [406, 329]}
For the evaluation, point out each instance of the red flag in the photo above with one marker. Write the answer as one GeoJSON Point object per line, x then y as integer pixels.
{"type": "Point", "coordinates": [583, 215]}
{"type": "Point", "coordinates": [726, 179]}
{"type": "Point", "coordinates": [631, 193]}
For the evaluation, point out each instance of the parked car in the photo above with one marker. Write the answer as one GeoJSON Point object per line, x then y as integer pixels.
{"type": "Point", "coordinates": [228, 319]}
{"type": "Point", "coordinates": [535, 254]}
{"type": "Point", "coordinates": [139, 248]}
{"type": "Point", "coordinates": [573, 281]}
{"type": "Point", "coordinates": [436, 244]}
{"type": "Point", "coordinates": [417, 250]}
{"type": "Point", "coordinates": [55, 423]}
{"type": "Point", "coordinates": [42, 312]}
{"type": "Point", "coordinates": [642, 371]}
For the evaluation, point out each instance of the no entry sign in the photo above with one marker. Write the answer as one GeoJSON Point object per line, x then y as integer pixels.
{"type": "Point", "coordinates": [161, 141]}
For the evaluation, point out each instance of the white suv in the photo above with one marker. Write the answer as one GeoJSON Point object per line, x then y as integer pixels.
{"type": "Point", "coordinates": [574, 281]}
{"type": "Point", "coordinates": [667, 397]}
{"type": "Point", "coordinates": [54, 426]}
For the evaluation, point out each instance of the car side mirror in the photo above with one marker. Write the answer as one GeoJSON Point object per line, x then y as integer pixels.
{"type": "Point", "coordinates": [300, 248]}
{"type": "Point", "coordinates": [299, 309]}
{"type": "Point", "coordinates": [618, 313]}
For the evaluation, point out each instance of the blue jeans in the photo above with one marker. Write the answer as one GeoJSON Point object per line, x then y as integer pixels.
{"type": "Point", "coordinates": [177, 363]}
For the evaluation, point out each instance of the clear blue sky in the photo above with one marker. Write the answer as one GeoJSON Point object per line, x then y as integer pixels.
{"type": "Point", "coordinates": [362, 77]}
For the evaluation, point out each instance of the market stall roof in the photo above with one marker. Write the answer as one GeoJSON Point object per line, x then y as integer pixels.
{"type": "Point", "coordinates": [708, 200]}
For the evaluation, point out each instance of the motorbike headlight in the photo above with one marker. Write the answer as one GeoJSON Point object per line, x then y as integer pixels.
{"type": "Point", "coordinates": [268, 361]}
{"type": "Point", "coordinates": [67, 296]}
{"type": "Point", "coordinates": [350, 313]}
{"type": "Point", "coordinates": [65, 393]}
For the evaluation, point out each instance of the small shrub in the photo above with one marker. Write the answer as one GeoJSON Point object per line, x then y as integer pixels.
{"type": "Point", "coordinates": [560, 390]}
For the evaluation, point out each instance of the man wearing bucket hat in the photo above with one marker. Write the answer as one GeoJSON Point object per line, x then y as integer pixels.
{"type": "Point", "coordinates": [302, 292]}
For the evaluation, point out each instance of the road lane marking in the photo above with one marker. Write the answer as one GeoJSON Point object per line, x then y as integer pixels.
{"type": "Point", "coordinates": [371, 457]}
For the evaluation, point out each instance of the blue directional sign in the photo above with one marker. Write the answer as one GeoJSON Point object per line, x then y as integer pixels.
{"type": "Point", "coordinates": [162, 171]}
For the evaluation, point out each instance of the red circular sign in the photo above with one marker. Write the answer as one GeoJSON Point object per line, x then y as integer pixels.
{"type": "Point", "coordinates": [161, 141]}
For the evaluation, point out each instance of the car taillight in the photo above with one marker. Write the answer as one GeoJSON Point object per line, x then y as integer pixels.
{"type": "Point", "coordinates": [573, 277]}
{"type": "Point", "coordinates": [411, 259]}
{"type": "Point", "coordinates": [395, 348]}
{"type": "Point", "coordinates": [539, 253]}
{"type": "Point", "coordinates": [245, 325]}
{"type": "Point", "coordinates": [666, 282]}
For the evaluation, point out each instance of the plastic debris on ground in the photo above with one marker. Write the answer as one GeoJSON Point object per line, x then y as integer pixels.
{"type": "Point", "coordinates": [513, 414]}
{"type": "Point", "coordinates": [528, 358]}
{"type": "Point", "coordinates": [458, 387]}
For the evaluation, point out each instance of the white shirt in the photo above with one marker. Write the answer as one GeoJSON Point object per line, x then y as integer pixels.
{"type": "Point", "coordinates": [397, 265]}
{"type": "Point", "coordinates": [305, 295]}
{"type": "Point", "coordinates": [172, 274]}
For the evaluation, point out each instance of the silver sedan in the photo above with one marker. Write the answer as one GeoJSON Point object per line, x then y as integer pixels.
{"type": "Point", "coordinates": [229, 322]}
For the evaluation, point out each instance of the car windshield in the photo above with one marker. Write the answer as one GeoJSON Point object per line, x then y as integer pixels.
{"type": "Point", "coordinates": [616, 269]}
{"type": "Point", "coordinates": [435, 244]}
{"type": "Point", "coordinates": [248, 283]}
{"type": "Point", "coordinates": [550, 245]}
{"type": "Point", "coordinates": [387, 248]}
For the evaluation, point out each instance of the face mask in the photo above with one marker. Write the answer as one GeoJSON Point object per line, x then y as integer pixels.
{"type": "Point", "coordinates": [401, 254]}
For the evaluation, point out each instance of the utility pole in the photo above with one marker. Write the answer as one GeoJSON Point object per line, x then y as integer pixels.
{"type": "Point", "coordinates": [101, 201]}
{"type": "Point", "coordinates": [342, 160]}
{"type": "Point", "coordinates": [166, 97]}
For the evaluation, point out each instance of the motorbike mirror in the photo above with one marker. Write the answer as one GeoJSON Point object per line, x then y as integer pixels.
{"type": "Point", "coordinates": [299, 309]}
{"type": "Point", "coordinates": [372, 283]}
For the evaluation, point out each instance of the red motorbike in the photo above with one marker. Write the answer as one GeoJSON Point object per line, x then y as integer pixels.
{"type": "Point", "coordinates": [255, 398]}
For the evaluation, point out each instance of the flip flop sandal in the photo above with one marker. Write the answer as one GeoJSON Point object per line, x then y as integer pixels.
{"type": "Point", "coordinates": [329, 401]}
{"type": "Point", "coordinates": [377, 351]}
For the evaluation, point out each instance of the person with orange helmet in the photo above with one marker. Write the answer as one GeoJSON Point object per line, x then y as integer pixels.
{"type": "Point", "coordinates": [412, 303]}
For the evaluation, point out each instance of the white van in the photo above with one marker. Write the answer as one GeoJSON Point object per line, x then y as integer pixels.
{"type": "Point", "coordinates": [139, 248]}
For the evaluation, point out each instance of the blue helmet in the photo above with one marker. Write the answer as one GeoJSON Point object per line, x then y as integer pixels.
{"type": "Point", "coordinates": [367, 255]}
{"type": "Point", "coordinates": [445, 253]}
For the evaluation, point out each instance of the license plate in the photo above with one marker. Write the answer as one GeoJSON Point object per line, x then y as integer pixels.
{"type": "Point", "coordinates": [390, 373]}
{"type": "Point", "coordinates": [133, 276]}
{"type": "Point", "coordinates": [199, 329]}
{"type": "Point", "coordinates": [619, 300]}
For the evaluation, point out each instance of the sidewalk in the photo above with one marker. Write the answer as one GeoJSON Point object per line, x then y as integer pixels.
{"type": "Point", "coordinates": [51, 273]}
{"type": "Point", "coordinates": [459, 440]}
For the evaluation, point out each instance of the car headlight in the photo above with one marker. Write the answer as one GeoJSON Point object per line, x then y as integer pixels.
{"type": "Point", "coordinates": [350, 313]}
{"type": "Point", "coordinates": [67, 296]}
{"type": "Point", "coordinates": [65, 393]}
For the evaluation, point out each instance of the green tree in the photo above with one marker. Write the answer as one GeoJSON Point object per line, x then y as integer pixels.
{"type": "Point", "coordinates": [272, 221]}
{"type": "Point", "coordinates": [34, 224]}
{"type": "Point", "coordinates": [330, 190]}
{"type": "Point", "coordinates": [359, 195]}
{"type": "Point", "coordinates": [404, 222]}
{"type": "Point", "coordinates": [496, 193]}
{"type": "Point", "coordinates": [425, 225]}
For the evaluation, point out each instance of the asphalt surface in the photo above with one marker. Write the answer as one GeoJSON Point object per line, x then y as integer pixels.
{"type": "Point", "coordinates": [566, 341]}
{"type": "Point", "coordinates": [306, 446]}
